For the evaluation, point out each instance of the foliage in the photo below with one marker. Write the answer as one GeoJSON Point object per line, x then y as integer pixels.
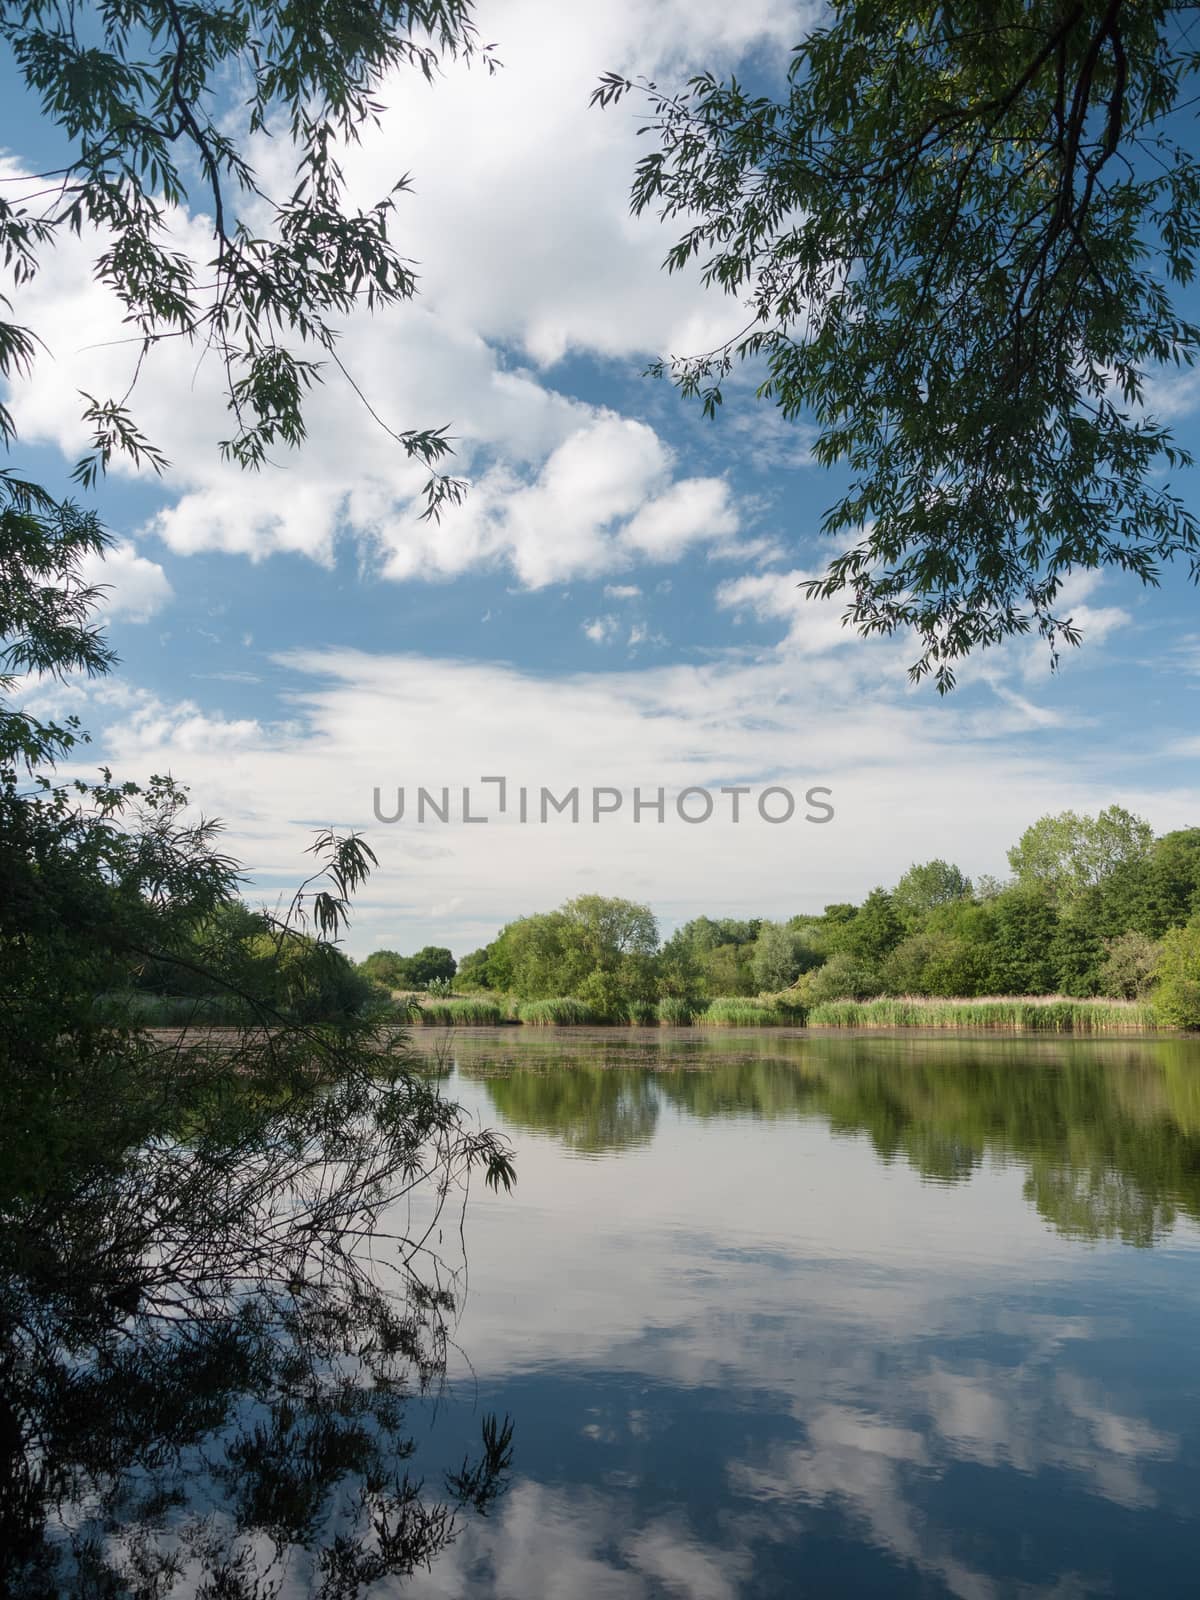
{"type": "Point", "coordinates": [710, 956]}
{"type": "Point", "coordinates": [601, 950]}
{"type": "Point", "coordinates": [473, 971]}
{"type": "Point", "coordinates": [1173, 892]}
{"type": "Point", "coordinates": [842, 976]}
{"type": "Point", "coordinates": [779, 955]}
{"type": "Point", "coordinates": [1176, 994]}
{"type": "Point", "coordinates": [1076, 954]}
{"type": "Point", "coordinates": [925, 887]}
{"type": "Point", "coordinates": [1129, 965]}
{"type": "Point", "coordinates": [137, 95]}
{"type": "Point", "coordinates": [873, 932]}
{"type": "Point", "coordinates": [433, 964]}
{"type": "Point", "coordinates": [1068, 854]}
{"type": "Point", "coordinates": [1024, 924]}
{"type": "Point", "coordinates": [961, 243]}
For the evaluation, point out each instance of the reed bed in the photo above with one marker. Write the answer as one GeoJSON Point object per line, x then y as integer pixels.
{"type": "Point", "coordinates": [1011, 1013]}
{"type": "Point", "coordinates": [748, 1013]}
{"type": "Point", "coordinates": [462, 1013]}
{"type": "Point", "coordinates": [641, 1013]}
{"type": "Point", "coordinates": [564, 1012]}
{"type": "Point", "coordinates": [674, 1011]}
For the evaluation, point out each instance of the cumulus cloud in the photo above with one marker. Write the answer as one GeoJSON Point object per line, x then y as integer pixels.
{"type": "Point", "coordinates": [906, 785]}
{"type": "Point", "coordinates": [136, 588]}
{"type": "Point", "coordinates": [520, 224]}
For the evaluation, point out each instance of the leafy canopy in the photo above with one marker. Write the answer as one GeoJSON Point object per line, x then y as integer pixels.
{"type": "Point", "coordinates": [960, 234]}
{"type": "Point", "coordinates": [144, 96]}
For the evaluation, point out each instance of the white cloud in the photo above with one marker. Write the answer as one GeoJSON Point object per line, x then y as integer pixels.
{"type": "Point", "coordinates": [601, 630]}
{"type": "Point", "coordinates": [520, 224]}
{"type": "Point", "coordinates": [911, 778]}
{"type": "Point", "coordinates": [814, 626]}
{"type": "Point", "coordinates": [622, 591]}
{"type": "Point", "coordinates": [137, 588]}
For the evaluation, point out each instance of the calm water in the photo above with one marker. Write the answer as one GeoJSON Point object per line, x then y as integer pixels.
{"type": "Point", "coordinates": [777, 1315]}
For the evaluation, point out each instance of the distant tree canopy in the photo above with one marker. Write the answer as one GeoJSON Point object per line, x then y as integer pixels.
{"type": "Point", "coordinates": [598, 949]}
{"type": "Point", "coordinates": [962, 233]}
{"type": "Point", "coordinates": [1090, 901]}
{"type": "Point", "coordinates": [925, 887]}
{"type": "Point", "coordinates": [1068, 854]}
{"type": "Point", "coordinates": [433, 964]}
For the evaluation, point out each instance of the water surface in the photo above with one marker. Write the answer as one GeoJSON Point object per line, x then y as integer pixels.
{"type": "Point", "coordinates": [779, 1314]}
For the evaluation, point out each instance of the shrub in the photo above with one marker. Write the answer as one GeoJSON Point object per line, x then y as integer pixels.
{"type": "Point", "coordinates": [843, 977]}
{"type": "Point", "coordinates": [1176, 996]}
{"type": "Point", "coordinates": [1127, 971]}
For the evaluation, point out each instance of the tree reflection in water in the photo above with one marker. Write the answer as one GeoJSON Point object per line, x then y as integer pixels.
{"type": "Point", "coordinates": [1108, 1133]}
{"type": "Point", "coordinates": [207, 1337]}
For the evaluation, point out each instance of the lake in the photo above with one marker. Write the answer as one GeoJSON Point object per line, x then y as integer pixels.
{"type": "Point", "coordinates": [779, 1314]}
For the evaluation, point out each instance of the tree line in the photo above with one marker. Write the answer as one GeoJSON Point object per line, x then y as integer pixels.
{"type": "Point", "coordinates": [1095, 906]}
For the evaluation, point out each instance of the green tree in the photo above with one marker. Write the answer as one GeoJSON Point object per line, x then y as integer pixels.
{"type": "Point", "coordinates": [599, 949]}
{"type": "Point", "coordinates": [383, 967]}
{"type": "Point", "coordinates": [1077, 955]}
{"type": "Point", "coordinates": [709, 957]}
{"type": "Point", "coordinates": [140, 97]}
{"type": "Point", "coordinates": [432, 964]}
{"type": "Point", "coordinates": [1176, 994]}
{"type": "Point", "coordinates": [1174, 888]}
{"type": "Point", "coordinates": [874, 932]}
{"type": "Point", "coordinates": [1129, 965]}
{"type": "Point", "coordinates": [1067, 854]}
{"type": "Point", "coordinates": [842, 977]}
{"type": "Point", "coordinates": [927, 886]}
{"type": "Point", "coordinates": [961, 235]}
{"type": "Point", "coordinates": [1025, 924]}
{"type": "Point", "coordinates": [778, 956]}
{"type": "Point", "coordinates": [473, 972]}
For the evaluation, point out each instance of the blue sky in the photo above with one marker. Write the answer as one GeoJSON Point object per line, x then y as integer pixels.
{"type": "Point", "coordinates": [616, 602]}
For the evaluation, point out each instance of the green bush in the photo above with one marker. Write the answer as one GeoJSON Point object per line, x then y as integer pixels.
{"type": "Point", "coordinates": [1176, 995]}
{"type": "Point", "coordinates": [843, 977]}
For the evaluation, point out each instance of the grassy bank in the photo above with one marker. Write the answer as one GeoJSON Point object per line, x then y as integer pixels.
{"type": "Point", "coordinates": [1015, 1014]}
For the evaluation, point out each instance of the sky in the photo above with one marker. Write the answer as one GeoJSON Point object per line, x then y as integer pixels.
{"type": "Point", "coordinates": [615, 604]}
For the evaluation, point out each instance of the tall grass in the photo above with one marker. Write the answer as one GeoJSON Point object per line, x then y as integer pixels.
{"type": "Point", "coordinates": [750, 1013]}
{"type": "Point", "coordinates": [641, 1013]}
{"type": "Point", "coordinates": [674, 1011]}
{"type": "Point", "coordinates": [565, 1012]}
{"type": "Point", "coordinates": [1016, 1013]}
{"type": "Point", "coordinates": [464, 1013]}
